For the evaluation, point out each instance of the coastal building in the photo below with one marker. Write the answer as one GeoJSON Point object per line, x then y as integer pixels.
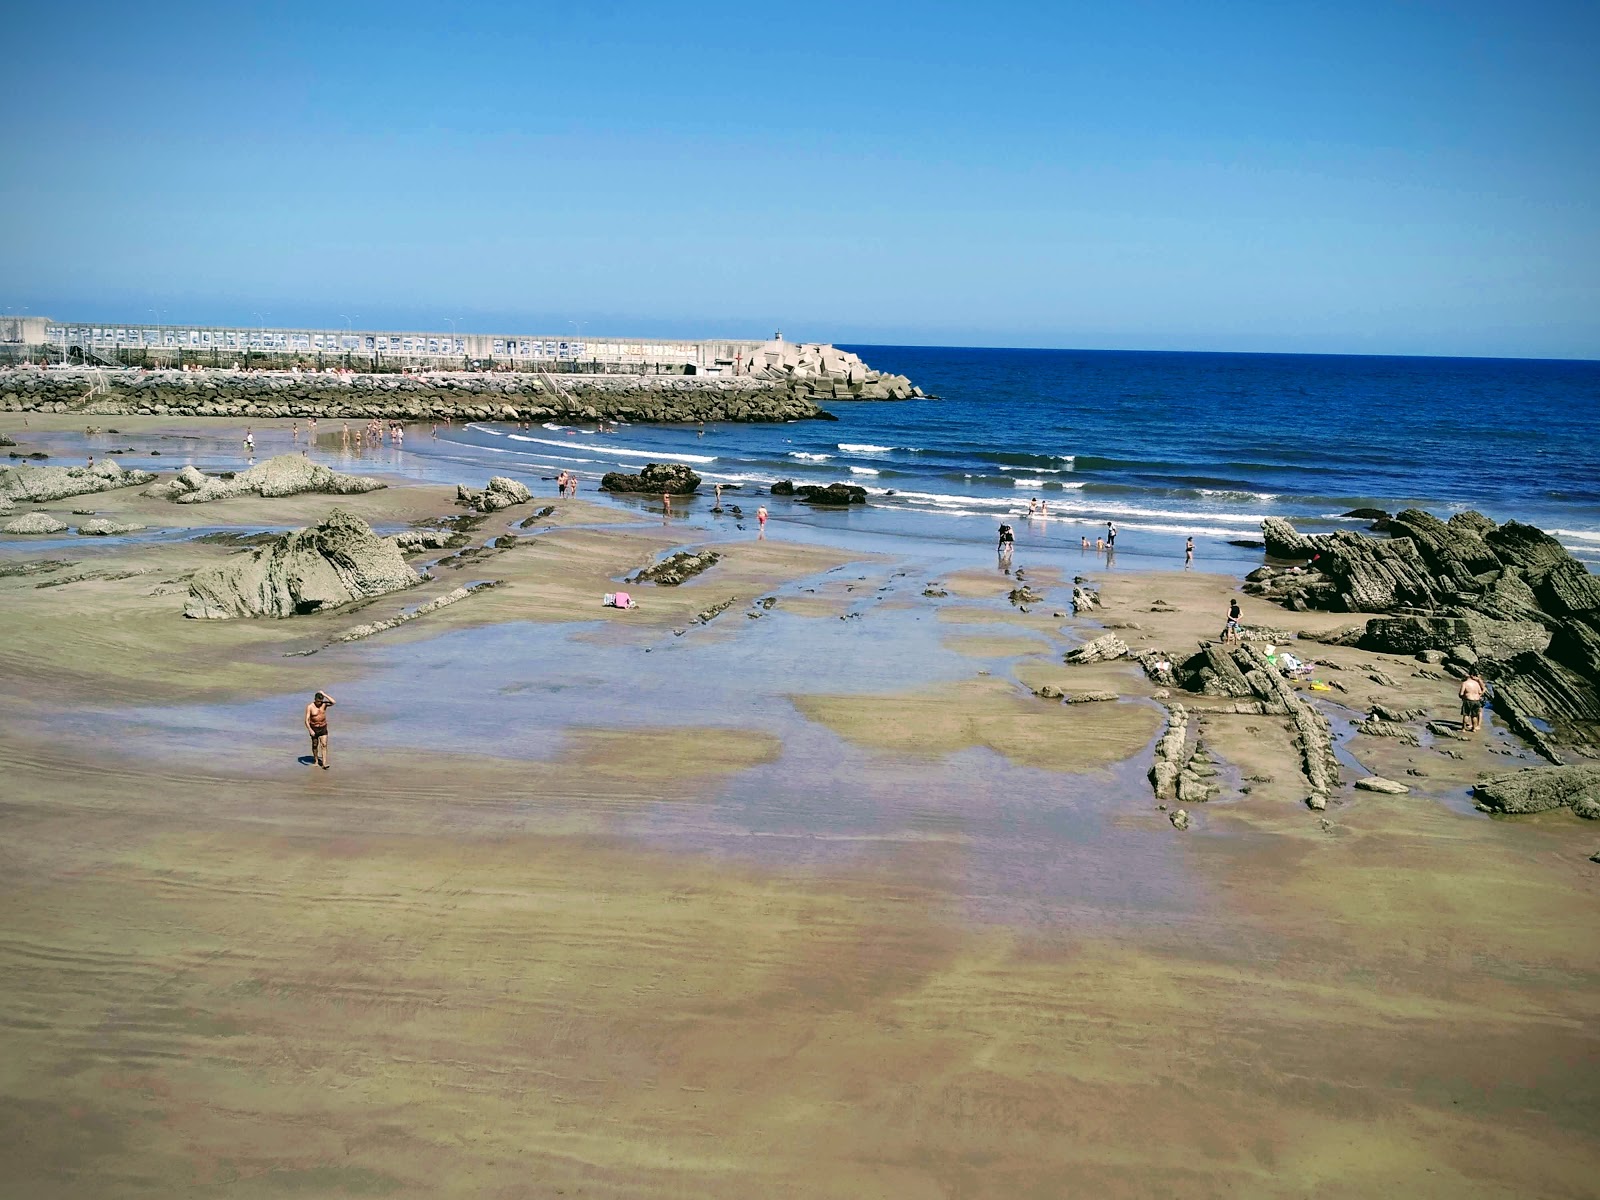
{"type": "Point", "coordinates": [159, 344]}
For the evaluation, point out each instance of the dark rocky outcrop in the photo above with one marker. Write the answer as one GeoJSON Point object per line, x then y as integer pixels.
{"type": "Point", "coordinates": [784, 487]}
{"type": "Point", "coordinates": [835, 494]}
{"type": "Point", "coordinates": [306, 571]}
{"type": "Point", "coordinates": [1507, 597]}
{"type": "Point", "coordinates": [672, 479]}
{"type": "Point", "coordinates": [675, 568]}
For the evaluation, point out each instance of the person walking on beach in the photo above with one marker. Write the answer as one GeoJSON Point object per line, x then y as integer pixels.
{"type": "Point", "coordinates": [249, 441]}
{"type": "Point", "coordinates": [1188, 554]}
{"type": "Point", "coordinates": [1006, 546]}
{"type": "Point", "coordinates": [1111, 538]}
{"type": "Point", "coordinates": [317, 727]}
{"type": "Point", "coordinates": [761, 522]}
{"type": "Point", "coordinates": [1231, 631]}
{"type": "Point", "coordinates": [717, 507]}
{"type": "Point", "coordinates": [1472, 692]}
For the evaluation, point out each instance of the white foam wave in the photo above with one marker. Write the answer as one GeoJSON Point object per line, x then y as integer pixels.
{"type": "Point", "coordinates": [617, 451]}
{"type": "Point", "coordinates": [553, 425]}
{"type": "Point", "coordinates": [804, 456]}
{"type": "Point", "coordinates": [1027, 483]}
{"type": "Point", "coordinates": [863, 471]}
{"type": "Point", "coordinates": [863, 448]}
{"type": "Point", "coordinates": [1578, 535]}
{"type": "Point", "coordinates": [1233, 494]}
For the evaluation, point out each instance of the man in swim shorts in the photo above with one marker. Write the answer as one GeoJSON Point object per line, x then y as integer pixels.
{"type": "Point", "coordinates": [1472, 692]}
{"type": "Point", "coordinates": [317, 727]}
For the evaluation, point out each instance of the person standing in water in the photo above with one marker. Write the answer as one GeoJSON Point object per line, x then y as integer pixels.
{"type": "Point", "coordinates": [1188, 554]}
{"type": "Point", "coordinates": [1111, 538]}
{"type": "Point", "coordinates": [1005, 547]}
{"type": "Point", "coordinates": [761, 522]}
{"type": "Point", "coordinates": [317, 727]}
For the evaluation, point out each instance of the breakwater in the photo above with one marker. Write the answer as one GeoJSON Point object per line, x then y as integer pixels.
{"type": "Point", "coordinates": [770, 396]}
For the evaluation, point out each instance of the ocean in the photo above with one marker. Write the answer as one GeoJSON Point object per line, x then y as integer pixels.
{"type": "Point", "coordinates": [1167, 445]}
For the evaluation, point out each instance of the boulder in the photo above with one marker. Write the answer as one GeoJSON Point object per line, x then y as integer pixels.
{"type": "Point", "coordinates": [34, 522]}
{"type": "Point", "coordinates": [675, 568]}
{"type": "Point", "coordinates": [784, 487]}
{"type": "Point", "coordinates": [1568, 589]}
{"type": "Point", "coordinates": [502, 493]}
{"type": "Point", "coordinates": [1525, 546]}
{"type": "Point", "coordinates": [306, 571]}
{"type": "Point", "coordinates": [672, 479]}
{"type": "Point", "coordinates": [102, 527]}
{"type": "Point", "coordinates": [1535, 789]}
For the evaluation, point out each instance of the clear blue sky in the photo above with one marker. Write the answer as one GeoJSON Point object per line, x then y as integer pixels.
{"type": "Point", "coordinates": [1363, 177]}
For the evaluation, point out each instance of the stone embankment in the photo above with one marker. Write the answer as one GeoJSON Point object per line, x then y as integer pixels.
{"type": "Point", "coordinates": [781, 392]}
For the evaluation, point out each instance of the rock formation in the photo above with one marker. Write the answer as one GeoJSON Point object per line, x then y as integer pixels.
{"type": "Point", "coordinates": [674, 569]}
{"type": "Point", "coordinates": [498, 493]}
{"type": "Point", "coordinates": [103, 527]}
{"type": "Point", "coordinates": [1536, 789]}
{"type": "Point", "coordinates": [672, 479]}
{"type": "Point", "coordinates": [1509, 598]}
{"type": "Point", "coordinates": [39, 485]}
{"type": "Point", "coordinates": [34, 522]}
{"type": "Point", "coordinates": [836, 494]}
{"type": "Point", "coordinates": [285, 475]}
{"type": "Point", "coordinates": [306, 571]}
{"type": "Point", "coordinates": [1105, 648]}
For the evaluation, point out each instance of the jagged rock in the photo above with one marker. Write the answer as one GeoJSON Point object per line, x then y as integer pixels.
{"type": "Point", "coordinates": [784, 487]}
{"type": "Point", "coordinates": [1451, 550]}
{"type": "Point", "coordinates": [1171, 753]}
{"type": "Point", "coordinates": [102, 527]}
{"type": "Point", "coordinates": [502, 493]}
{"type": "Point", "coordinates": [671, 479]}
{"type": "Point", "coordinates": [1091, 697]}
{"type": "Point", "coordinates": [1533, 688]}
{"type": "Point", "coordinates": [1525, 546]}
{"type": "Point", "coordinates": [1384, 713]}
{"type": "Point", "coordinates": [1157, 667]}
{"type": "Point", "coordinates": [1471, 521]}
{"type": "Point", "coordinates": [414, 541]}
{"type": "Point", "coordinates": [835, 494]}
{"type": "Point", "coordinates": [1535, 789]}
{"type": "Point", "coordinates": [1024, 595]}
{"type": "Point", "coordinates": [1377, 727]}
{"type": "Point", "coordinates": [1179, 819]}
{"type": "Point", "coordinates": [1317, 802]}
{"type": "Point", "coordinates": [39, 485]}
{"type": "Point", "coordinates": [674, 569]}
{"type": "Point", "coordinates": [1508, 598]}
{"type": "Point", "coordinates": [1377, 783]}
{"type": "Point", "coordinates": [1085, 600]}
{"type": "Point", "coordinates": [1048, 692]}
{"type": "Point", "coordinates": [1489, 639]}
{"type": "Point", "coordinates": [1568, 589]}
{"type": "Point", "coordinates": [1106, 648]}
{"type": "Point", "coordinates": [34, 522]}
{"type": "Point", "coordinates": [285, 475]}
{"type": "Point", "coordinates": [1284, 540]}
{"type": "Point", "coordinates": [308, 570]}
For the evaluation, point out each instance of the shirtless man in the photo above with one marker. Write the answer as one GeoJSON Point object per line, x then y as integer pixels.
{"type": "Point", "coordinates": [317, 727]}
{"type": "Point", "coordinates": [1473, 689]}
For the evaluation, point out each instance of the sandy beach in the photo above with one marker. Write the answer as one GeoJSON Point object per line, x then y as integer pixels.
{"type": "Point", "coordinates": [816, 897]}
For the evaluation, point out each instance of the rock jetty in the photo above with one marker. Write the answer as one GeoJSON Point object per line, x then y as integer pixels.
{"type": "Point", "coordinates": [1507, 598]}
{"type": "Point", "coordinates": [782, 390]}
{"type": "Point", "coordinates": [306, 571]}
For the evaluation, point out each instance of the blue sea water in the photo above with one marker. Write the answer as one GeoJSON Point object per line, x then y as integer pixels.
{"type": "Point", "coordinates": [1167, 445]}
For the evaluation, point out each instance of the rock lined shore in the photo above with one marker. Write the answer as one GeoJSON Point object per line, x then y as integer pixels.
{"type": "Point", "coordinates": [772, 395]}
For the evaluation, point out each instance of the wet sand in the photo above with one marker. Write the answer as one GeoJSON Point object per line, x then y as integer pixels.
{"type": "Point", "coordinates": [823, 902]}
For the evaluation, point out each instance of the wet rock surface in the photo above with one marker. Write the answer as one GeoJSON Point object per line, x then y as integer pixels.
{"type": "Point", "coordinates": [39, 485]}
{"type": "Point", "coordinates": [33, 523]}
{"type": "Point", "coordinates": [1536, 789]}
{"type": "Point", "coordinates": [285, 475]}
{"type": "Point", "coordinates": [675, 568]}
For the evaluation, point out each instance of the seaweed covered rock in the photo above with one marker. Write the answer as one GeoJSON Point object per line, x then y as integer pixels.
{"type": "Point", "coordinates": [675, 568]}
{"type": "Point", "coordinates": [672, 479]}
{"type": "Point", "coordinates": [309, 570]}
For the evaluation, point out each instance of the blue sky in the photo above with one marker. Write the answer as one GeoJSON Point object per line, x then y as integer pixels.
{"type": "Point", "coordinates": [1371, 178]}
